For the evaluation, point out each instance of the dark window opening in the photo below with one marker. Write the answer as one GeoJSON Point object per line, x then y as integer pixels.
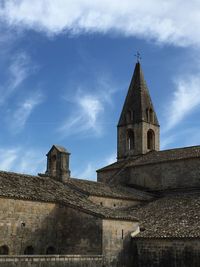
{"type": "Point", "coordinates": [53, 164]}
{"type": "Point", "coordinates": [4, 250]}
{"type": "Point", "coordinates": [129, 116]}
{"type": "Point", "coordinates": [151, 115]}
{"type": "Point", "coordinates": [50, 250]}
{"type": "Point", "coordinates": [150, 140]}
{"type": "Point", "coordinates": [131, 140]}
{"type": "Point", "coordinates": [122, 234]}
{"type": "Point", "coordinates": [29, 250]}
{"type": "Point", "coordinates": [147, 114]}
{"type": "Point", "coordinates": [101, 203]}
{"type": "Point", "coordinates": [114, 205]}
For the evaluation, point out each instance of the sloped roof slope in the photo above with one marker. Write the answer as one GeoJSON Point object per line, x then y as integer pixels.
{"type": "Point", "coordinates": [154, 157]}
{"type": "Point", "coordinates": [36, 188]}
{"type": "Point", "coordinates": [111, 191]}
{"type": "Point", "coordinates": [176, 216]}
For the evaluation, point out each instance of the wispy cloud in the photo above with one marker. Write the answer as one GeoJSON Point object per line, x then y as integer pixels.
{"type": "Point", "coordinates": [20, 116]}
{"type": "Point", "coordinates": [111, 158]}
{"type": "Point", "coordinates": [186, 98]}
{"type": "Point", "coordinates": [87, 115]}
{"type": "Point", "coordinates": [19, 69]}
{"type": "Point", "coordinates": [21, 159]}
{"type": "Point", "coordinates": [86, 118]}
{"type": "Point", "coordinates": [153, 19]}
{"type": "Point", "coordinates": [88, 172]}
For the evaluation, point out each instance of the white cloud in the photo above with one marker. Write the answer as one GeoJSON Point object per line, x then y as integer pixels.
{"type": "Point", "coordinates": [7, 158]}
{"type": "Point", "coordinates": [85, 118]}
{"type": "Point", "coordinates": [21, 160]}
{"type": "Point", "coordinates": [167, 21]}
{"type": "Point", "coordinates": [110, 159]}
{"type": "Point", "coordinates": [88, 173]}
{"type": "Point", "coordinates": [20, 116]}
{"type": "Point", "coordinates": [18, 71]}
{"type": "Point", "coordinates": [185, 99]}
{"type": "Point", "coordinates": [88, 109]}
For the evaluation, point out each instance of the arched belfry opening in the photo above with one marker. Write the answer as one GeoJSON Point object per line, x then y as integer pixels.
{"type": "Point", "coordinates": [150, 140]}
{"type": "Point", "coordinates": [130, 140]}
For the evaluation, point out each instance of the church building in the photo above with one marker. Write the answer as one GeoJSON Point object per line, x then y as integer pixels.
{"type": "Point", "coordinates": [143, 211]}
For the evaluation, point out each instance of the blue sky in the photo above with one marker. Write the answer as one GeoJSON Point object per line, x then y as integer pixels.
{"type": "Point", "coordinates": [65, 68]}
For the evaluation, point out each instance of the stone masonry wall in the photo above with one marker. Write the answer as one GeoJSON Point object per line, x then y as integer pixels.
{"type": "Point", "coordinates": [117, 176]}
{"type": "Point", "coordinates": [113, 202]}
{"type": "Point", "coordinates": [42, 225]}
{"type": "Point", "coordinates": [183, 173]}
{"type": "Point", "coordinates": [165, 253]}
{"type": "Point", "coordinates": [51, 261]}
{"type": "Point", "coordinates": [117, 242]}
{"type": "Point", "coordinates": [166, 175]}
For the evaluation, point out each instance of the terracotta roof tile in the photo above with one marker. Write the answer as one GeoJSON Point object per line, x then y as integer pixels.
{"type": "Point", "coordinates": [112, 191]}
{"type": "Point", "coordinates": [155, 157]}
{"type": "Point", "coordinates": [36, 188]}
{"type": "Point", "coordinates": [170, 216]}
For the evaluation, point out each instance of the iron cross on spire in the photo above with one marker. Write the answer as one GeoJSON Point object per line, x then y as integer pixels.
{"type": "Point", "coordinates": [138, 56]}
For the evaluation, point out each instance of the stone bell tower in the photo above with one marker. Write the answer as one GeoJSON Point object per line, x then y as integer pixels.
{"type": "Point", "coordinates": [58, 163]}
{"type": "Point", "coordinates": [138, 128]}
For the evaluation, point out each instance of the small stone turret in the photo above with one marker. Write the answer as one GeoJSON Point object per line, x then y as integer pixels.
{"type": "Point", "coordinates": [58, 163]}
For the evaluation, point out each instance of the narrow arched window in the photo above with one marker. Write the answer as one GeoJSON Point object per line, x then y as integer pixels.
{"type": "Point", "coordinates": [50, 250]}
{"type": "Point", "coordinates": [4, 250]}
{"type": "Point", "coordinates": [150, 140]}
{"type": "Point", "coordinates": [131, 139]}
{"type": "Point", "coordinates": [128, 116]}
{"type": "Point", "coordinates": [53, 162]}
{"type": "Point", "coordinates": [29, 250]}
{"type": "Point", "coordinates": [151, 115]}
{"type": "Point", "coordinates": [147, 114]}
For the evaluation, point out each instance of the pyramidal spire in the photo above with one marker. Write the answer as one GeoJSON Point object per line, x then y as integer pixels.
{"type": "Point", "coordinates": [138, 104]}
{"type": "Point", "coordinates": [138, 130]}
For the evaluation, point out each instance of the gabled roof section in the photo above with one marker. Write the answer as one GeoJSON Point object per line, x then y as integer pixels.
{"type": "Point", "coordinates": [155, 157]}
{"type": "Point", "coordinates": [45, 189]}
{"type": "Point", "coordinates": [173, 216]}
{"type": "Point", "coordinates": [138, 99]}
{"type": "Point", "coordinates": [59, 148]}
{"type": "Point", "coordinates": [93, 188]}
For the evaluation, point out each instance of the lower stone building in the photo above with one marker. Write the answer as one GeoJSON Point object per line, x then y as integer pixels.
{"type": "Point", "coordinates": [169, 231]}
{"type": "Point", "coordinates": [42, 216]}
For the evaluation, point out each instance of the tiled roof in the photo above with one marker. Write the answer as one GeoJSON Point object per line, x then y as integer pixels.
{"type": "Point", "coordinates": [176, 216]}
{"type": "Point", "coordinates": [157, 157]}
{"type": "Point", "coordinates": [59, 148]}
{"type": "Point", "coordinates": [36, 188]}
{"type": "Point", "coordinates": [167, 155]}
{"type": "Point", "coordinates": [105, 190]}
{"type": "Point", "coordinates": [116, 165]}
